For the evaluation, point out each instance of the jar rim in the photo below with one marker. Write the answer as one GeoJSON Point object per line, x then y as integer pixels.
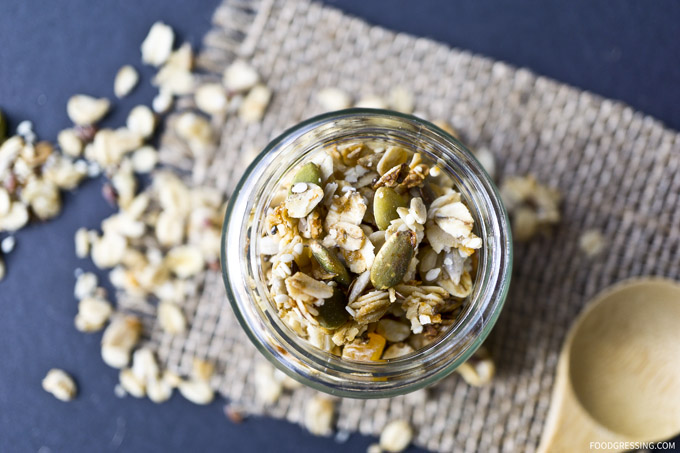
{"type": "Point", "coordinates": [320, 369]}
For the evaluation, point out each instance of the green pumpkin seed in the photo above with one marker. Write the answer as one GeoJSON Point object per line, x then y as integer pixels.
{"type": "Point", "coordinates": [385, 204]}
{"type": "Point", "coordinates": [392, 261]}
{"type": "Point", "coordinates": [332, 313]}
{"type": "Point", "coordinates": [427, 194]}
{"type": "Point", "coordinates": [330, 263]}
{"type": "Point", "coordinates": [309, 173]}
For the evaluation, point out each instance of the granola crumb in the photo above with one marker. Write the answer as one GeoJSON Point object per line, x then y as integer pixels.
{"type": "Point", "coordinates": [60, 384]}
{"type": "Point", "coordinates": [319, 414]}
{"type": "Point", "coordinates": [396, 436]}
{"type": "Point", "coordinates": [126, 79]}
{"type": "Point", "coordinates": [197, 391]}
{"type": "Point", "coordinates": [269, 389]}
{"type": "Point", "coordinates": [332, 99]}
{"type": "Point", "coordinates": [85, 110]}
{"type": "Point", "coordinates": [533, 207]}
{"type": "Point", "coordinates": [157, 45]}
{"type": "Point", "coordinates": [592, 243]}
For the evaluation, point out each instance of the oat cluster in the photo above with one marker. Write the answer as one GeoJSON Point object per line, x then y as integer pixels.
{"type": "Point", "coordinates": [533, 207]}
{"type": "Point", "coordinates": [162, 236]}
{"type": "Point", "coordinates": [369, 251]}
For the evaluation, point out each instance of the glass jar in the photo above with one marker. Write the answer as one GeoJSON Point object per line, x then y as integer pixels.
{"type": "Point", "coordinates": [257, 314]}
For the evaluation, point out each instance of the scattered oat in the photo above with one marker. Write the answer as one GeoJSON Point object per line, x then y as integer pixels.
{"type": "Point", "coordinates": [533, 207]}
{"type": "Point", "coordinates": [202, 369]}
{"type": "Point", "coordinates": [121, 335]}
{"type": "Point", "coordinates": [159, 390]}
{"type": "Point", "coordinates": [240, 77]}
{"type": "Point", "coordinates": [319, 414]}
{"type": "Point", "coordinates": [157, 45]}
{"type": "Point", "coordinates": [396, 436]}
{"type": "Point", "coordinates": [193, 128]}
{"type": "Point", "coordinates": [70, 143]}
{"type": "Point", "coordinates": [332, 99]}
{"type": "Point", "coordinates": [488, 161]}
{"type": "Point", "coordinates": [144, 365]}
{"type": "Point", "coordinates": [145, 159]}
{"type": "Point", "coordinates": [197, 391]}
{"type": "Point", "coordinates": [162, 102]}
{"type": "Point", "coordinates": [142, 121]}
{"type": "Point", "coordinates": [126, 80]}
{"type": "Point", "coordinates": [43, 197]}
{"type": "Point", "coordinates": [15, 218]}
{"type": "Point", "coordinates": [171, 318]}
{"type": "Point", "coordinates": [255, 103]}
{"type": "Point", "coordinates": [211, 98]}
{"type": "Point", "coordinates": [84, 110]}
{"type": "Point", "coordinates": [592, 243]}
{"type": "Point", "coordinates": [93, 313]}
{"type": "Point", "coordinates": [108, 250]}
{"type": "Point", "coordinates": [82, 241]}
{"type": "Point", "coordinates": [268, 389]}
{"type": "Point", "coordinates": [479, 369]}
{"type": "Point", "coordinates": [175, 76]}
{"type": "Point", "coordinates": [131, 383]}
{"type": "Point", "coordinates": [86, 285]}
{"type": "Point", "coordinates": [371, 102]}
{"type": "Point", "coordinates": [60, 384]}
{"type": "Point", "coordinates": [401, 100]}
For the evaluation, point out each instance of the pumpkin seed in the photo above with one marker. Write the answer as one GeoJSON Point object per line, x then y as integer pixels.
{"type": "Point", "coordinates": [309, 173]}
{"type": "Point", "coordinates": [330, 263]}
{"type": "Point", "coordinates": [393, 259]}
{"type": "Point", "coordinates": [332, 313]}
{"type": "Point", "coordinates": [385, 204]}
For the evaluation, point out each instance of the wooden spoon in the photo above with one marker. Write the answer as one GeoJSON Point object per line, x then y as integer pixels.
{"type": "Point", "coordinates": [618, 376]}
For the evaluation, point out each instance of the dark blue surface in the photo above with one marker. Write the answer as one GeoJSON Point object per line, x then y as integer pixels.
{"type": "Point", "coordinates": [51, 50]}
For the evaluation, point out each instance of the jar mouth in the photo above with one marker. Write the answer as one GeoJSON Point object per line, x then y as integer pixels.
{"type": "Point", "coordinates": [295, 356]}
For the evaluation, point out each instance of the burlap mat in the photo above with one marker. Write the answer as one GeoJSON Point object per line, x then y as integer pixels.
{"type": "Point", "coordinates": [617, 169]}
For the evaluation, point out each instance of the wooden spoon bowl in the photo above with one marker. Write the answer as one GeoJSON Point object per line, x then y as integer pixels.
{"type": "Point", "coordinates": [618, 376]}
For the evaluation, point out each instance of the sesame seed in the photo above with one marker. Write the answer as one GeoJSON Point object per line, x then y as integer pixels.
{"type": "Point", "coordinates": [299, 187]}
{"type": "Point", "coordinates": [286, 258]}
{"type": "Point", "coordinates": [432, 274]}
{"type": "Point", "coordinates": [435, 171]}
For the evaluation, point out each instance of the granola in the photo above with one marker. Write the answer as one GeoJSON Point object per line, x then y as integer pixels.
{"type": "Point", "coordinates": [367, 252]}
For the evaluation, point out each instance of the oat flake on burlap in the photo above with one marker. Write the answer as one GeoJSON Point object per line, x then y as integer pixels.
{"type": "Point", "coordinates": [617, 169]}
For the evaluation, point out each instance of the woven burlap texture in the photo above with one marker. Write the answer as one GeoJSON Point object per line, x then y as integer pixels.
{"type": "Point", "coordinates": [617, 169]}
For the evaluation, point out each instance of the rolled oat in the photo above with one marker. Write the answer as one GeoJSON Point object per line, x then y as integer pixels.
{"type": "Point", "coordinates": [126, 80]}
{"type": "Point", "coordinates": [396, 436]}
{"type": "Point", "coordinates": [60, 384]}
